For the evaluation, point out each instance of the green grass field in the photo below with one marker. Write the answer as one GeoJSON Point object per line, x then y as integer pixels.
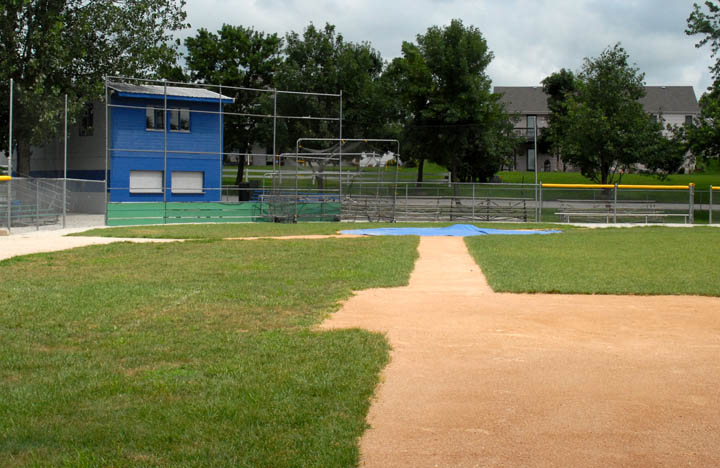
{"type": "Point", "coordinates": [190, 354]}
{"type": "Point", "coordinates": [640, 260]}
{"type": "Point", "coordinates": [701, 181]}
{"type": "Point", "coordinates": [202, 353]}
{"type": "Point", "coordinates": [431, 172]}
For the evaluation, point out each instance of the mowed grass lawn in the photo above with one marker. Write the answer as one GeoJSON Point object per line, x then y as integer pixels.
{"type": "Point", "coordinates": [640, 260]}
{"type": "Point", "coordinates": [190, 354]}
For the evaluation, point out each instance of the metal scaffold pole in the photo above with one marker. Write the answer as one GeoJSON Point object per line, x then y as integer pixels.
{"type": "Point", "coordinates": [107, 149]}
{"type": "Point", "coordinates": [341, 142]}
{"type": "Point", "coordinates": [9, 159]}
{"type": "Point", "coordinates": [65, 164]}
{"type": "Point", "coordinates": [274, 155]}
{"type": "Point", "coordinates": [164, 124]}
{"type": "Point", "coordinates": [220, 139]}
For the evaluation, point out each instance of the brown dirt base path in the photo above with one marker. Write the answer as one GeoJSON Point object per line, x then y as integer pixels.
{"type": "Point", "coordinates": [479, 379]}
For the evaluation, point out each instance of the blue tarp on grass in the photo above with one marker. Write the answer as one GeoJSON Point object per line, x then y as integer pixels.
{"type": "Point", "coordinates": [456, 230]}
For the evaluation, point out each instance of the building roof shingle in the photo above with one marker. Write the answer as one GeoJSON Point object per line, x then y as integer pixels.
{"type": "Point", "coordinates": [523, 99]}
{"type": "Point", "coordinates": [657, 100]}
{"type": "Point", "coordinates": [670, 99]}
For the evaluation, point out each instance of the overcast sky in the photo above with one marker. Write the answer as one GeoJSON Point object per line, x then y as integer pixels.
{"type": "Point", "coordinates": [530, 39]}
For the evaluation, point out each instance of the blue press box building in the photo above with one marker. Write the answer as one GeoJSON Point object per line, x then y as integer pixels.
{"type": "Point", "coordinates": [179, 149]}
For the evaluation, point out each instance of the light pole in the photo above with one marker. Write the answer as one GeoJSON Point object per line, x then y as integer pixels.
{"type": "Point", "coordinates": [535, 148]}
{"type": "Point", "coordinates": [537, 208]}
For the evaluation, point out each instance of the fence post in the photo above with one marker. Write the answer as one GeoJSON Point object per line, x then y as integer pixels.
{"type": "Point", "coordinates": [539, 217]}
{"type": "Point", "coordinates": [692, 203]}
{"type": "Point", "coordinates": [615, 204]}
{"type": "Point", "coordinates": [710, 207]}
{"type": "Point", "coordinates": [9, 202]}
{"type": "Point", "coordinates": [406, 200]}
{"type": "Point", "coordinates": [65, 138]}
{"type": "Point", "coordinates": [473, 201]}
{"type": "Point", "coordinates": [10, 157]}
{"type": "Point", "coordinates": [37, 204]}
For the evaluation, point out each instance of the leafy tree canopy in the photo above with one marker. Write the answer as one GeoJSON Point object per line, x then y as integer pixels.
{"type": "Point", "coordinates": [704, 136]}
{"type": "Point", "coordinates": [451, 116]}
{"type": "Point", "coordinates": [53, 48]}
{"type": "Point", "coordinates": [320, 61]}
{"type": "Point", "coordinates": [240, 57]}
{"type": "Point", "coordinates": [601, 126]}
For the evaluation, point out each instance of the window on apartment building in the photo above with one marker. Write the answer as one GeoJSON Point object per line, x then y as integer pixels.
{"type": "Point", "coordinates": [654, 118]}
{"type": "Point", "coordinates": [87, 121]}
{"type": "Point", "coordinates": [530, 159]}
{"type": "Point", "coordinates": [180, 120]}
{"type": "Point", "coordinates": [688, 120]}
{"type": "Point", "coordinates": [154, 118]}
{"type": "Point", "coordinates": [547, 166]}
{"type": "Point", "coordinates": [531, 122]}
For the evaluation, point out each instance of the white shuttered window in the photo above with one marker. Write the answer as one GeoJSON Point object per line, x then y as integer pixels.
{"type": "Point", "coordinates": [187, 182]}
{"type": "Point", "coordinates": [146, 181]}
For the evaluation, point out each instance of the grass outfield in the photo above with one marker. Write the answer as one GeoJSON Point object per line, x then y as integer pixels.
{"type": "Point", "coordinates": [223, 231]}
{"type": "Point", "coordinates": [190, 354]}
{"type": "Point", "coordinates": [701, 181]}
{"type": "Point", "coordinates": [641, 260]}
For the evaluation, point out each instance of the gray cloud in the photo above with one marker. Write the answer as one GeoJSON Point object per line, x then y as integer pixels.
{"type": "Point", "coordinates": [530, 39]}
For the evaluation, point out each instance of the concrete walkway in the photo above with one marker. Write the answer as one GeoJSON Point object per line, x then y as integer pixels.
{"type": "Point", "coordinates": [50, 241]}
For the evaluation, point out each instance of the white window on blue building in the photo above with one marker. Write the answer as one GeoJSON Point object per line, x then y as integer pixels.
{"type": "Point", "coordinates": [146, 181]}
{"type": "Point", "coordinates": [187, 182]}
{"type": "Point", "coordinates": [179, 120]}
{"type": "Point", "coordinates": [154, 118]}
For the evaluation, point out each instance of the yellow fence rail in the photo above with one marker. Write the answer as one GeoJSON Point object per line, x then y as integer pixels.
{"type": "Point", "coordinates": [5, 178]}
{"type": "Point", "coordinates": [622, 186]}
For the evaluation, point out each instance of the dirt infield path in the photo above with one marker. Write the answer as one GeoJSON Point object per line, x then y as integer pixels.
{"type": "Point", "coordinates": [479, 379]}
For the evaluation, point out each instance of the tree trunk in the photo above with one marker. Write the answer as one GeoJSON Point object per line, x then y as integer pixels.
{"type": "Point", "coordinates": [420, 168]}
{"type": "Point", "coordinates": [604, 173]}
{"type": "Point", "coordinates": [24, 152]}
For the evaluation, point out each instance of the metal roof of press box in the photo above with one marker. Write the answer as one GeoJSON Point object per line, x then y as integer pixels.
{"type": "Point", "coordinates": [176, 93]}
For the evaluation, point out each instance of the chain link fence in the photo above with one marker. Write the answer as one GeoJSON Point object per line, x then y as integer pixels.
{"type": "Point", "coordinates": [35, 203]}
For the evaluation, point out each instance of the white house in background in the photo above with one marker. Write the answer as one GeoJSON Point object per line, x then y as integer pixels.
{"type": "Point", "coordinates": [675, 105]}
{"type": "Point", "coordinates": [4, 161]}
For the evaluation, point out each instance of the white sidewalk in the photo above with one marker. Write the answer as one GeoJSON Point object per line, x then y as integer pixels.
{"type": "Point", "coordinates": [51, 241]}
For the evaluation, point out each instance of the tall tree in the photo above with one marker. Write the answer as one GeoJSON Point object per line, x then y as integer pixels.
{"type": "Point", "coordinates": [558, 87]}
{"type": "Point", "coordinates": [452, 117]}
{"type": "Point", "coordinates": [55, 47]}
{"type": "Point", "coordinates": [321, 61]}
{"type": "Point", "coordinates": [704, 136]}
{"type": "Point", "coordinates": [602, 127]}
{"type": "Point", "coordinates": [240, 57]}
